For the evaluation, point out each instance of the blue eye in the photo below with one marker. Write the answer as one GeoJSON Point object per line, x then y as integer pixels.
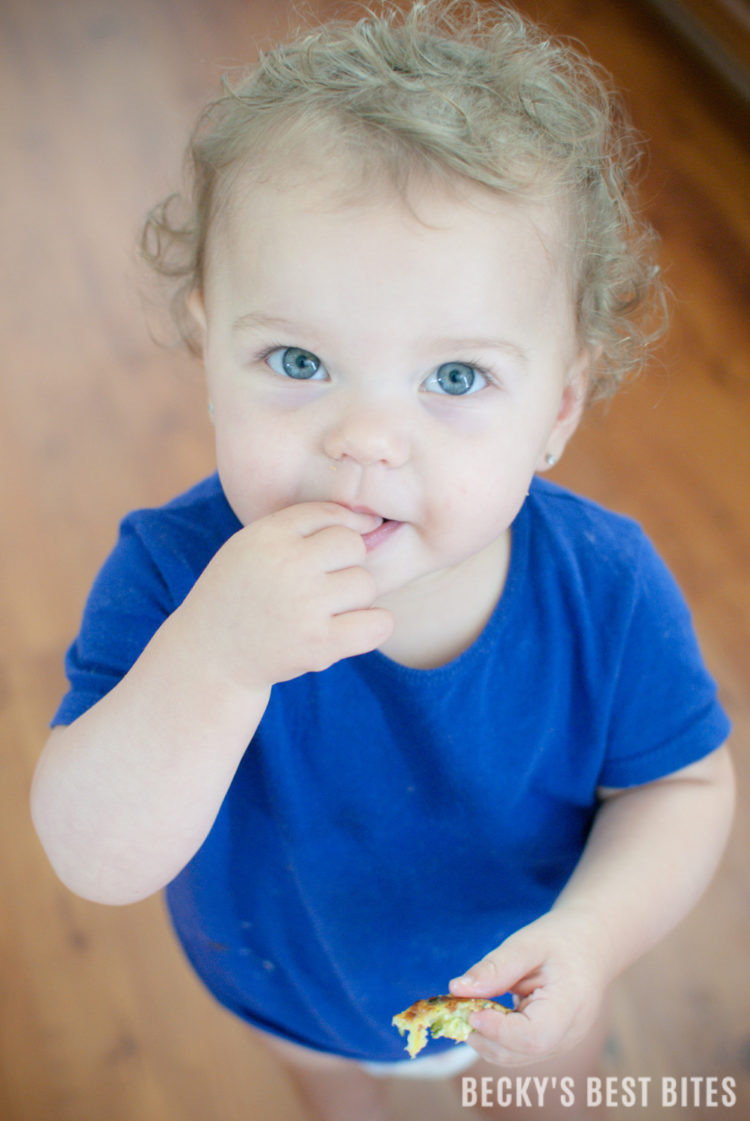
{"type": "Point", "coordinates": [455, 378]}
{"type": "Point", "coordinates": [296, 363]}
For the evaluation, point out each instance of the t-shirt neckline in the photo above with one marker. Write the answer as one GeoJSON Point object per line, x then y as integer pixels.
{"type": "Point", "coordinates": [517, 566]}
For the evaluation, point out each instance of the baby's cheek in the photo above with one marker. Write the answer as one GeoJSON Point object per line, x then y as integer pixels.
{"type": "Point", "coordinates": [466, 512]}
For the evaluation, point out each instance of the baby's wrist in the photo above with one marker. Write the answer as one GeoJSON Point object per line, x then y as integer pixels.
{"type": "Point", "coordinates": [582, 925]}
{"type": "Point", "coordinates": [225, 682]}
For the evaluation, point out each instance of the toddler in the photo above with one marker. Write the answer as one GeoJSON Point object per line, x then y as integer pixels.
{"type": "Point", "coordinates": [376, 703]}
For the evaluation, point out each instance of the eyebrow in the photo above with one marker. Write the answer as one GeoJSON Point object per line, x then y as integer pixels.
{"type": "Point", "coordinates": [505, 345]}
{"type": "Point", "coordinates": [256, 319]}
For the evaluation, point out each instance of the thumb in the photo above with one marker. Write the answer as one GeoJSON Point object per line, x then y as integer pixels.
{"type": "Point", "coordinates": [498, 972]}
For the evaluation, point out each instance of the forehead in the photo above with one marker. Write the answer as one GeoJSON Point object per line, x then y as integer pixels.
{"type": "Point", "coordinates": [323, 209]}
{"type": "Point", "coordinates": [442, 261]}
{"type": "Point", "coordinates": [388, 270]}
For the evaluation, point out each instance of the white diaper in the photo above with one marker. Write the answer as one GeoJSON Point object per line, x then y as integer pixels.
{"type": "Point", "coordinates": [447, 1063]}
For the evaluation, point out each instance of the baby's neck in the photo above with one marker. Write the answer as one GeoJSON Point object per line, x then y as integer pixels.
{"type": "Point", "coordinates": [441, 615]}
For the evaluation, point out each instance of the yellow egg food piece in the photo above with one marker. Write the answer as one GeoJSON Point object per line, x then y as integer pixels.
{"type": "Point", "coordinates": [446, 1016]}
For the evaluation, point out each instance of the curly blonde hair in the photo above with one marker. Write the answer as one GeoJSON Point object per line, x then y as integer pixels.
{"type": "Point", "coordinates": [458, 90]}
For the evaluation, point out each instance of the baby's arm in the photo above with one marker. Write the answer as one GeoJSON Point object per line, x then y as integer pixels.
{"type": "Point", "coordinates": [651, 853]}
{"type": "Point", "coordinates": [123, 797]}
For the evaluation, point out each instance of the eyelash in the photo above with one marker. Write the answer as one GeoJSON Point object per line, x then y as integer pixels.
{"type": "Point", "coordinates": [492, 378]}
{"type": "Point", "coordinates": [263, 355]}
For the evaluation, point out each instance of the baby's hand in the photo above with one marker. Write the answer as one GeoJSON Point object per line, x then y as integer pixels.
{"type": "Point", "coordinates": [551, 968]}
{"type": "Point", "coordinates": [288, 595]}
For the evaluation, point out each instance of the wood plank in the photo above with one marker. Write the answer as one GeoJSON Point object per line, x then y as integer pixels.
{"type": "Point", "coordinates": [718, 31]}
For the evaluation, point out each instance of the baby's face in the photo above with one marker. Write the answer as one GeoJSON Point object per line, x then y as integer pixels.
{"type": "Point", "coordinates": [416, 367]}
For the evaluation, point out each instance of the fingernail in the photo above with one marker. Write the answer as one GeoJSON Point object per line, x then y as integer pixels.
{"type": "Point", "coordinates": [467, 979]}
{"type": "Point", "coordinates": [371, 522]}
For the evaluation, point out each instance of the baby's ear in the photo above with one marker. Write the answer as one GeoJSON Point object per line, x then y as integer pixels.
{"type": "Point", "coordinates": [572, 404]}
{"type": "Point", "coordinates": [197, 308]}
{"type": "Point", "coordinates": [576, 390]}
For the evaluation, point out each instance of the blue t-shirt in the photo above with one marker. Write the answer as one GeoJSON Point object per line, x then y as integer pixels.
{"type": "Point", "coordinates": [389, 826]}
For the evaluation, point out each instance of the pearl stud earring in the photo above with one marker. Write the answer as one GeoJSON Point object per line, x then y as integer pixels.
{"type": "Point", "coordinates": [550, 459]}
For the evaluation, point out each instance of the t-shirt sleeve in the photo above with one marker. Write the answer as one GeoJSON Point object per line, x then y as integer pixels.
{"type": "Point", "coordinates": [665, 711]}
{"type": "Point", "coordinates": [127, 604]}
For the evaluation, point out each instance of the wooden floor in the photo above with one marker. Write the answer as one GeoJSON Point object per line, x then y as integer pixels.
{"type": "Point", "coordinates": [100, 1018]}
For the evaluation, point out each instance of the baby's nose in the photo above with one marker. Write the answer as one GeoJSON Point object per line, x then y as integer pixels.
{"type": "Point", "coordinates": [369, 436]}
